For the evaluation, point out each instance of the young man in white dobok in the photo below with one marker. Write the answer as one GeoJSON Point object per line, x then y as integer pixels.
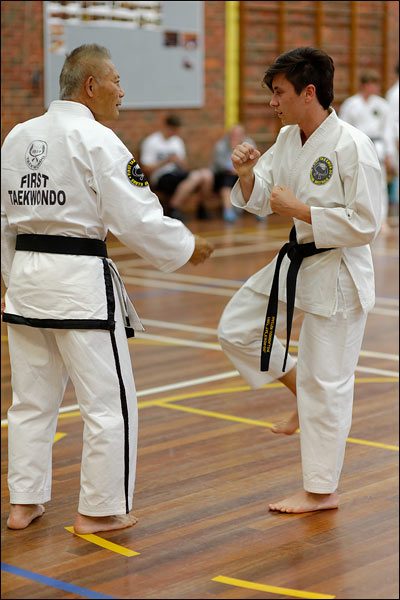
{"type": "Point", "coordinates": [325, 175]}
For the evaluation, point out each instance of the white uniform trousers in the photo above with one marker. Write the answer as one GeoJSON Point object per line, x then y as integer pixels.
{"type": "Point", "coordinates": [99, 365]}
{"type": "Point", "coordinates": [328, 352]}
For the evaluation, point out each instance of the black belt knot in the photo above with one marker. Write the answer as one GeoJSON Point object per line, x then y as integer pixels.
{"type": "Point", "coordinates": [295, 252]}
{"type": "Point", "coordinates": [291, 249]}
{"type": "Point", "coordinates": [61, 244]}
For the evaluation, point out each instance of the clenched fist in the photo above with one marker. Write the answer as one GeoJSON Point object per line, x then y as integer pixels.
{"type": "Point", "coordinates": [244, 157]}
{"type": "Point", "coordinates": [284, 202]}
{"type": "Point", "coordinates": [202, 250]}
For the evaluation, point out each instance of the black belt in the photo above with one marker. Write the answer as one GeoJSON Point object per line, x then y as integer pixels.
{"type": "Point", "coordinates": [60, 244]}
{"type": "Point", "coordinates": [296, 252]}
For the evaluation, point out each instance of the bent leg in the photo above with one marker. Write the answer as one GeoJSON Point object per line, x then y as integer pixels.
{"type": "Point", "coordinates": [240, 335]}
{"type": "Point", "coordinates": [289, 425]}
{"type": "Point", "coordinates": [185, 188]}
{"type": "Point", "coordinates": [206, 183]}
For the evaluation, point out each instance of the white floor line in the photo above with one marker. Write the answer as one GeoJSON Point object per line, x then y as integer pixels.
{"type": "Point", "coordinates": [234, 283]}
{"type": "Point", "coordinates": [179, 326]}
{"type": "Point", "coordinates": [160, 389]}
{"type": "Point", "coordinates": [214, 345]}
{"type": "Point", "coordinates": [250, 235]}
{"type": "Point", "coordinates": [385, 312]}
{"type": "Point", "coordinates": [373, 371]}
{"type": "Point", "coordinates": [367, 353]}
{"type": "Point", "coordinates": [218, 252]}
{"type": "Point", "coordinates": [172, 340]}
{"type": "Point", "coordinates": [182, 287]}
{"type": "Point", "coordinates": [201, 380]}
{"type": "Point", "coordinates": [385, 252]}
{"type": "Point", "coordinates": [388, 301]}
{"type": "Point", "coordinates": [210, 346]}
{"type": "Point", "coordinates": [132, 270]}
{"type": "Point", "coordinates": [235, 250]}
{"type": "Point", "coordinates": [208, 330]}
{"type": "Point", "coordinates": [215, 281]}
{"type": "Point", "coordinates": [213, 290]}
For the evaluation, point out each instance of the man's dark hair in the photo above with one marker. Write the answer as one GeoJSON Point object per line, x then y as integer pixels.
{"type": "Point", "coordinates": [173, 121]}
{"type": "Point", "coordinates": [302, 67]}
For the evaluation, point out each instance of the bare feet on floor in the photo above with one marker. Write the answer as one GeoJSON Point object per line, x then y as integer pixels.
{"type": "Point", "coordinates": [84, 524]}
{"type": "Point", "coordinates": [306, 502]}
{"type": "Point", "coordinates": [287, 426]}
{"type": "Point", "coordinates": [21, 515]}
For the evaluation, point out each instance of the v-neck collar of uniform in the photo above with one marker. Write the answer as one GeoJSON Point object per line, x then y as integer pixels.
{"type": "Point", "coordinates": [321, 132]}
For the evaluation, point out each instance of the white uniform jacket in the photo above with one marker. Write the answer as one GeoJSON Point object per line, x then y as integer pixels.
{"type": "Point", "coordinates": [372, 116]}
{"type": "Point", "coordinates": [65, 174]}
{"type": "Point", "coordinates": [337, 173]}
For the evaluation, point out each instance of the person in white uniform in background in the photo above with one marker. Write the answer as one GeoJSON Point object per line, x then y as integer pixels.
{"type": "Point", "coordinates": [66, 181]}
{"type": "Point", "coordinates": [324, 174]}
{"type": "Point", "coordinates": [392, 96]}
{"type": "Point", "coordinates": [370, 113]}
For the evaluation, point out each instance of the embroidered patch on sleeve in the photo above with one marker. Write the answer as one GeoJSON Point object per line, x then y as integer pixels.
{"type": "Point", "coordinates": [135, 174]}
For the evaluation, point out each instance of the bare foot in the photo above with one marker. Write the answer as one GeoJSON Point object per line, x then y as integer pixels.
{"type": "Point", "coordinates": [21, 515]}
{"type": "Point", "coordinates": [306, 502]}
{"type": "Point", "coordinates": [287, 426]}
{"type": "Point", "coordinates": [85, 524]}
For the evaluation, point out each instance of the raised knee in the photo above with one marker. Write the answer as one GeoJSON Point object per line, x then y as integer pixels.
{"type": "Point", "coordinates": [207, 175]}
{"type": "Point", "coordinates": [195, 177]}
{"type": "Point", "coordinates": [225, 331]}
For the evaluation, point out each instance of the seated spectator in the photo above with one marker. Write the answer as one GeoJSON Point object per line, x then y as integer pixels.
{"type": "Point", "coordinates": [224, 173]}
{"type": "Point", "coordinates": [163, 158]}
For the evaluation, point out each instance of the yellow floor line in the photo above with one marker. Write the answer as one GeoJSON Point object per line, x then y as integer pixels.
{"type": "Point", "coordinates": [226, 417]}
{"type": "Point", "coordinates": [215, 392]}
{"type": "Point", "coordinates": [271, 589]}
{"type": "Point", "coordinates": [73, 413]}
{"type": "Point", "coordinates": [59, 436]}
{"type": "Point", "coordinates": [246, 388]}
{"type": "Point", "coordinates": [215, 415]}
{"type": "Point", "coordinates": [201, 393]}
{"type": "Point", "coordinates": [95, 539]}
{"type": "Point", "coordinates": [374, 444]}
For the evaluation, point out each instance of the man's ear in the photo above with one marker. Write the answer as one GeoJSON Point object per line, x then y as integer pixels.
{"type": "Point", "coordinates": [89, 86]}
{"type": "Point", "coordinates": [310, 92]}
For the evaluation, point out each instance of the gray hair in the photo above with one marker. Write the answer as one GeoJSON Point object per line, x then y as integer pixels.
{"type": "Point", "coordinates": [78, 66]}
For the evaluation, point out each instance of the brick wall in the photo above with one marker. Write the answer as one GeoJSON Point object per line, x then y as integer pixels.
{"type": "Point", "coordinates": [358, 35]}
{"type": "Point", "coordinates": [23, 92]}
{"type": "Point", "coordinates": [267, 29]}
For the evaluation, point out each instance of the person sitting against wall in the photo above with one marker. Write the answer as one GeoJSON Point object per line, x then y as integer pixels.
{"type": "Point", "coordinates": [163, 158]}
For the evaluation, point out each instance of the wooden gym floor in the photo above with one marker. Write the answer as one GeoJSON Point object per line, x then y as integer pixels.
{"type": "Point", "coordinates": [208, 463]}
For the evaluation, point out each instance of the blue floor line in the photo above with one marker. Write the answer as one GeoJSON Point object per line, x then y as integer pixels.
{"type": "Point", "coordinates": [61, 585]}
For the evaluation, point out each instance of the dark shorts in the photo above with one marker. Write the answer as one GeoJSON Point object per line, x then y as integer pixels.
{"type": "Point", "coordinates": [224, 179]}
{"type": "Point", "coordinates": [170, 181]}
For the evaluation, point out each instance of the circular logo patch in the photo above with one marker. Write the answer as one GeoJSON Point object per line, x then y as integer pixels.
{"type": "Point", "coordinates": [321, 171]}
{"type": "Point", "coordinates": [35, 154]}
{"type": "Point", "coordinates": [135, 174]}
